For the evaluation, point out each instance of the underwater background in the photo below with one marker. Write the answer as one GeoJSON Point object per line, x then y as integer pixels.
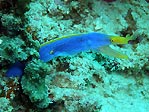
{"type": "Point", "coordinates": [89, 81]}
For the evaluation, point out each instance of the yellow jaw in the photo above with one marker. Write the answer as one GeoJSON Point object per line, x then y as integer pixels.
{"type": "Point", "coordinates": [120, 40]}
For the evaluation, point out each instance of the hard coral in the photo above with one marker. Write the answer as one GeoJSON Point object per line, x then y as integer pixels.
{"type": "Point", "coordinates": [5, 105]}
{"type": "Point", "coordinates": [11, 49]}
{"type": "Point", "coordinates": [33, 83]}
{"type": "Point", "coordinates": [109, 0]}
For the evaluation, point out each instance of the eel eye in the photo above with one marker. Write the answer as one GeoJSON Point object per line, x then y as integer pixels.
{"type": "Point", "coordinates": [51, 52]}
{"type": "Point", "coordinates": [112, 40]}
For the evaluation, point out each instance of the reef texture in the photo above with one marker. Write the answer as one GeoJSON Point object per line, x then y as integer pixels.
{"type": "Point", "coordinates": [86, 82]}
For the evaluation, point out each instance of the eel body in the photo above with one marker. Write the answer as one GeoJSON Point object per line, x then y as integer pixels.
{"type": "Point", "coordinates": [70, 45]}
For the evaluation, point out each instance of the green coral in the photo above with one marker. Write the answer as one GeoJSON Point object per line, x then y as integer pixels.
{"type": "Point", "coordinates": [5, 105]}
{"type": "Point", "coordinates": [57, 17]}
{"type": "Point", "coordinates": [33, 83]}
{"type": "Point", "coordinates": [12, 49]}
{"type": "Point", "coordinates": [77, 83]}
{"type": "Point", "coordinates": [11, 22]}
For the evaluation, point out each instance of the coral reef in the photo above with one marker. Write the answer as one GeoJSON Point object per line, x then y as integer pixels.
{"type": "Point", "coordinates": [86, 82]}
{"type": "Point", "coordinates": [12, 49]}
{"type": "Point", "coordinates": [5, 105]}
{"type": "Point", "coordinates": [33, 83]}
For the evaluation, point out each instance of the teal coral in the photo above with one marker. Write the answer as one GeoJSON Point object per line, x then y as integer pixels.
{"type": "Point", "coordinates": [86, 83]}
{"type": "Point", "coordinates": [33, 83]}
{"type": "Point", "coordinates": [12, 49]}
{"type": "Point", "coordinates": [11, 22]}
{"type": "Point", "coordinates": [5, 105]}
{"type": "Point", "coordinates": [77, 85]}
